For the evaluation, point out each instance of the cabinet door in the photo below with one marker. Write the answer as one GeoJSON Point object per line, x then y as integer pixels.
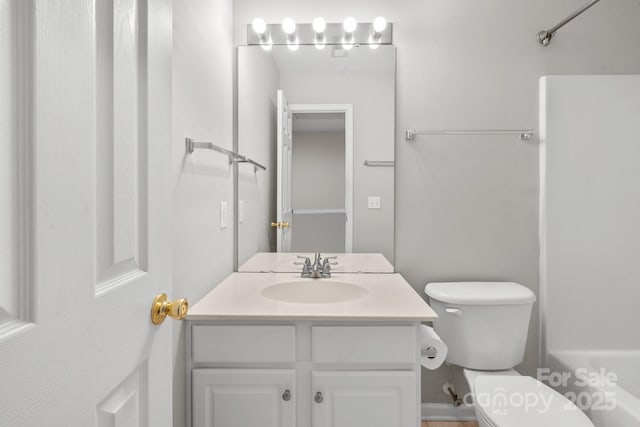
{"type": "Point", "coordinates": [243, 398]}
{"type": "Point", "coordinates": [364, 399]}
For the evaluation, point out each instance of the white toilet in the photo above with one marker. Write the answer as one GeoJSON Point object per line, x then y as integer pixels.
{"type": "Point", "coordinates": [485, 326]}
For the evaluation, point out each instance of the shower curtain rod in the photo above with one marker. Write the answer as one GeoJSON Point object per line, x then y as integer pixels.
{"type": "Point", "coordinates": [544, 36]}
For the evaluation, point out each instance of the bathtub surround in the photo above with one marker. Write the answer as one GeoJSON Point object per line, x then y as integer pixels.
{"type": "Point", "coordinates": [467, 207]}
{"type": "Point", "coordinates": [590, 205]}
{"type": "Point", "coordinates": [605, 384]}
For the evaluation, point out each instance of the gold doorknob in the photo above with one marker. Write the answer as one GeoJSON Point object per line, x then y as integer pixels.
{"type": "Point", "coordinates": [280, 225]}
{"type": "Point", "coordinates": [162, 307]}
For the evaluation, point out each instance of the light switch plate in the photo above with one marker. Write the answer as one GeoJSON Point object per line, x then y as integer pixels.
{"type": "Point", "coordinates": [240, 211]}
{"type": "Point", "coordinates": [373, 202]}
{"type": "Point", "coordinates": [223, 215]}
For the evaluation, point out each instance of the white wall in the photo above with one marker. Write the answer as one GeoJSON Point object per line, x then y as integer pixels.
{"type": "Point", "coordinates": [590, 199]}
{"type": "Point", "coordinates": [258, 82]}
{"type": "Point", "coordinates": [202, 109]}
{"type": "Point", "coordinates": [467, 208]}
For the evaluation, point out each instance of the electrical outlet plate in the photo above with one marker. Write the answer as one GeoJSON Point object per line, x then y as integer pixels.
{"type": "Point", "coordinates": [373, 202]}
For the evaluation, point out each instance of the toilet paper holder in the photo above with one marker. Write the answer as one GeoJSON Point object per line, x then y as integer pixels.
{"type": "Point", "coordinates": [430, 352]}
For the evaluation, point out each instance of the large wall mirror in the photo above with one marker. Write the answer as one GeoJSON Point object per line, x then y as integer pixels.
{"type": "Point", "coordinates": [323, 124]}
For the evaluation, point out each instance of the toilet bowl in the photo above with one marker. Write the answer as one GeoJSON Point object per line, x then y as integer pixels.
{"type": "Point", "coordinates": [506, 399]}
{"type": "Point", "coordinates": [485, 326]}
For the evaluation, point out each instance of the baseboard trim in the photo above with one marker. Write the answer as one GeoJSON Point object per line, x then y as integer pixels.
{"type": "Point", "coordinates": [447, 412]}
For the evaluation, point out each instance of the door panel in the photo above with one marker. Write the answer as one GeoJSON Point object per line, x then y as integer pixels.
{"type": "Point", "coordinates": [364, 399]}
{"type": "Point", "coordinates": [284, 147]}
{"type": "Point", "coordinates": [126, 405]}
{"type": "Point", "coordinates": [99, 197]}
{"type": "Point", "coordinates": [121, 186]}
{"type": "Point", "coordinates": [243, 398]}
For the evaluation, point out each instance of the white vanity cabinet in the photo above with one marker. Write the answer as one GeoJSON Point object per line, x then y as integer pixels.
{"type": "Point", "coordinates": [364, 398]}
{"type": "Point", "coordinates": [304, 374]}
{"type": "Point", "coordinates": [244, 397]}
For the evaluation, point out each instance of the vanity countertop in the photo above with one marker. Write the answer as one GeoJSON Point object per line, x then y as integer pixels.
{"type": "Point", "coordinates": [239, 297]}
{"type": "Point", "coordinates": [283, 262]}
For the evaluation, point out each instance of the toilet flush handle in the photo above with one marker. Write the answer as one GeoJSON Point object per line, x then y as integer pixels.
{"type": "Point", "coordinates": [454, 311]}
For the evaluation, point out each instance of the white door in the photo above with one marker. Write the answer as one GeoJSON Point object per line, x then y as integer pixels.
{"type": "Point", "coordinates": [364, 399]}
{"type": "Point", "coordinates": [89, 139]}
{"type": "Point", "coordinates": [284, 148]}
{"type": "Point", "coordinates": [244, 398]}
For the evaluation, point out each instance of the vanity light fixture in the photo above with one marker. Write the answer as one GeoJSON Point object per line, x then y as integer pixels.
{"type": "Point", "coordinates": [268, 45]}
{"type": "Point", "coordinates": [320, 33]}
{"type": "Point", "coordinates": [319, 26]}
{"type": "Point", "coordinates": [379, 25]}
{"type": "Point", "coordinates": [259, 26]}
{"type": "Point", "coordinates": [350, 24]}
{"type": "Point", "coordinates": [289, 28]}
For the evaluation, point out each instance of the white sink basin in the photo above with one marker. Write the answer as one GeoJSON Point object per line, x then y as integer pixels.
{"type": "Point", "coordinates": [314, 292]}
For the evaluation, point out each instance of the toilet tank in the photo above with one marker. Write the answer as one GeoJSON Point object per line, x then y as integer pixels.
{"type": "Point", "coordinates": [484, 324]}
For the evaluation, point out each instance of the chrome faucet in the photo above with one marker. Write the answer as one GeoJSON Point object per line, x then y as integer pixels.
{"type": "Point", "coordinates": [321, 267]}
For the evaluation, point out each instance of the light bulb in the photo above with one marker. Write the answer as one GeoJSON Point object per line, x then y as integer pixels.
{"type": "Point", "coordinates": [374, 46]}
{"type": "Point", "coordinates": [319, 25]}
{"type": "Point", "coordinates": [320, 46]}
{"type": "Point", "coordinates": [289, 26]}
{"type": "Point", "coordinates": [379, 24]}
{"type": "Point", "coordinates": [350, 24]}
{"type": "Point", "coordinates": [293, 46]}
{"type": "Point", "coordinates": [259, 26]}
{"type": "Point", "coordinates": [347, 46]}
{"type": "Point", "coordinates": [268, 45]}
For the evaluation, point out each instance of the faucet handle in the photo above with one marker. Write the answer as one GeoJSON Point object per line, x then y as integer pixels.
{"type": "Point", "coordinates": [306, 259]}
{"type": "Point", "coordinates": [326, 269]}
{"type": "Point", "coordinates": [306, 268]}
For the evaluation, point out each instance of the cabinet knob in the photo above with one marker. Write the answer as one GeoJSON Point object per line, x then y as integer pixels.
{"type": "Point", "coordinates": [286, 396]}
{"type": "Point", "coordinates": [319, 398]}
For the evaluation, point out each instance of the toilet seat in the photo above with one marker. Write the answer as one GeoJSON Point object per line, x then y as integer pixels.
{"type": "Point", "coordinates": [520, 401]}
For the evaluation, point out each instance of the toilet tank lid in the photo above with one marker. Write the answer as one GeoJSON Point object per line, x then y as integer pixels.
{"type": "Point", "coordinates": [480, 293]}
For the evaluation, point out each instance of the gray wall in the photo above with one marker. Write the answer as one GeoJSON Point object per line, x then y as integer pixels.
{"type": "Point", "coordinates": [258, 81]}
{"type": "Point", "coordinates": [467, 208]}
{"type": "Point", "coordinates": [202, 109]}
{"type": "Point", "coordinates": [372, 95]}
{"type": "Point", "coordinates": [322, 233]}
{"type": "Point", "coordinates": [317, 170]}
{"type": "Point", "coordinates": [317, 183]}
